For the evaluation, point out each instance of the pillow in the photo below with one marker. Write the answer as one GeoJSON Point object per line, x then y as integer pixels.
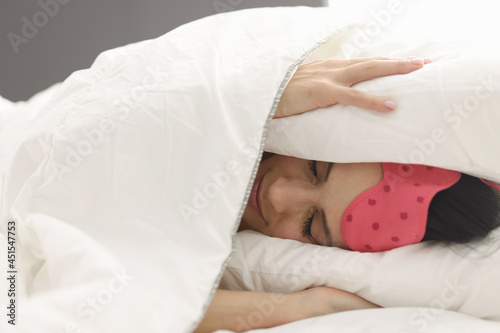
{"type": "Point", "coordinates": [459, 277]}
{"type": "Point", "coordinates": [448, 112]}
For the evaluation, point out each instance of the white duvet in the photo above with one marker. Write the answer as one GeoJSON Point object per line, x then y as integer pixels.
{"type": "Point", "coordinates": [126, 182]}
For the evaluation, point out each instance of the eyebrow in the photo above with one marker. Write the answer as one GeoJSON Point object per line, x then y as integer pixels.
{"type": "Point", "coordinates": [328, 171]}
{"type": "Point", "coordinates": [326, 229]}
{"type": "Point", "coordinates": [325, 224]}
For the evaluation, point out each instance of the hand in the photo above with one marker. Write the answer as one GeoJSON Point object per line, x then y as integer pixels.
{"type": "Point", "coordinates": [328, 82]}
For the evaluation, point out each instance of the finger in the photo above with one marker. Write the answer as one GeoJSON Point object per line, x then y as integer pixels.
{"type": "Point", "coordinates": [351, 96]}
{"type": "Point", "coordinates": [376, 68]}
{"type": "Point", "coordinates": [365, 59]}
{"type": "Point", "coordinates": [335, 62]}
{"type": "Point", "coordinates": [360, 60]}
{"type": "Point", "coordinates": [426, 60]}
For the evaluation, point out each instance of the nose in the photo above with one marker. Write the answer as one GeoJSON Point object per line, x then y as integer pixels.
{"type": "Point", "coordinates": [288, 196]}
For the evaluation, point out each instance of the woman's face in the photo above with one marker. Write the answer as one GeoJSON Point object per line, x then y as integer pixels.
{"type": "Point", "coordinates": [304, 200]}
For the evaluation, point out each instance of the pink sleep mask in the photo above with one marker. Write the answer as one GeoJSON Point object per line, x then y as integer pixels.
{"type": "Point", "coordinates": [393, 213]}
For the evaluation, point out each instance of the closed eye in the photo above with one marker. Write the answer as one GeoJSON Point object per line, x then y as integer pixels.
{"type": "Point", "coordinates": [306, 229]}
{"type": "Point", "coordinates": [306, 226]}
{"type": "Point", "coordinates": [313, 169]}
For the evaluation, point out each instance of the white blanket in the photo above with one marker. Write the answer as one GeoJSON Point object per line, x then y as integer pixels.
{"type": "Point", "coordinates": [127, 182]}
{"type": "Point", "coordinates": [127, 186]}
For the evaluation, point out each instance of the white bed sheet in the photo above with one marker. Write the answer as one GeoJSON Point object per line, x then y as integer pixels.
{"type": "Point", "coordinates": [395, 320]}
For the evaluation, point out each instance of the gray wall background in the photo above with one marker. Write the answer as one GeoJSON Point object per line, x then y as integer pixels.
{"type": "Point", "coordinates": [44, 41]}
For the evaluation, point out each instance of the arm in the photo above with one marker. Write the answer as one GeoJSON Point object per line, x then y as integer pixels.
{"type": "Point", "coordinates": [328, 82]}
{"type": "Point", "coordinates": [244, 310]}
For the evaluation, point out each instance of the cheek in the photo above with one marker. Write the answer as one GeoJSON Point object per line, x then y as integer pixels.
{"type": "Point", "coordinates": [250, 220]}
{"type": "Point", "coordinates": [289, 165]}
{"type": "Point", "coordinates": [285, 231]}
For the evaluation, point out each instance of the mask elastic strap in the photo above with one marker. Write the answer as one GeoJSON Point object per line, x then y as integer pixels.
{"type": "Point", "coordinates": [496, 186]}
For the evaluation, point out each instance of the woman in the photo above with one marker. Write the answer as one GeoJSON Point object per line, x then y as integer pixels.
{"type": "Point", "coordinates": [368, 207]}
{"type": "Point", "coordinates": [319, 202]}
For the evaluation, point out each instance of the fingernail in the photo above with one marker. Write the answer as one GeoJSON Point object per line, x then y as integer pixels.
{"type": "Point", "coordinates": [427, 61]}
{"type": "Point", "coordinates": [390, 104]}
{"type": "Point", "coordinates": [417, 61]}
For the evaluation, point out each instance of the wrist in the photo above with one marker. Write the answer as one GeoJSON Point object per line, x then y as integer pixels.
{"type": "Point", "coordinates": [244, 310]}
{"type": "Point", "coordinates": [319, 301]}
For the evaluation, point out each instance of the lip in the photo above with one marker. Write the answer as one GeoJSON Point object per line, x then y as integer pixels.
{"type": "Point", "coordinates": [254, 199]}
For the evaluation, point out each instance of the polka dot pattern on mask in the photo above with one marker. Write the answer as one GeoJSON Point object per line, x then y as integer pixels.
{"type": "Point", "coordinates": [393, 213]}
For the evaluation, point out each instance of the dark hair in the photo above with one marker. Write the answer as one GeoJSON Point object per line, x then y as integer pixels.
{"type": "Point", "coordinates": [466, 211]}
